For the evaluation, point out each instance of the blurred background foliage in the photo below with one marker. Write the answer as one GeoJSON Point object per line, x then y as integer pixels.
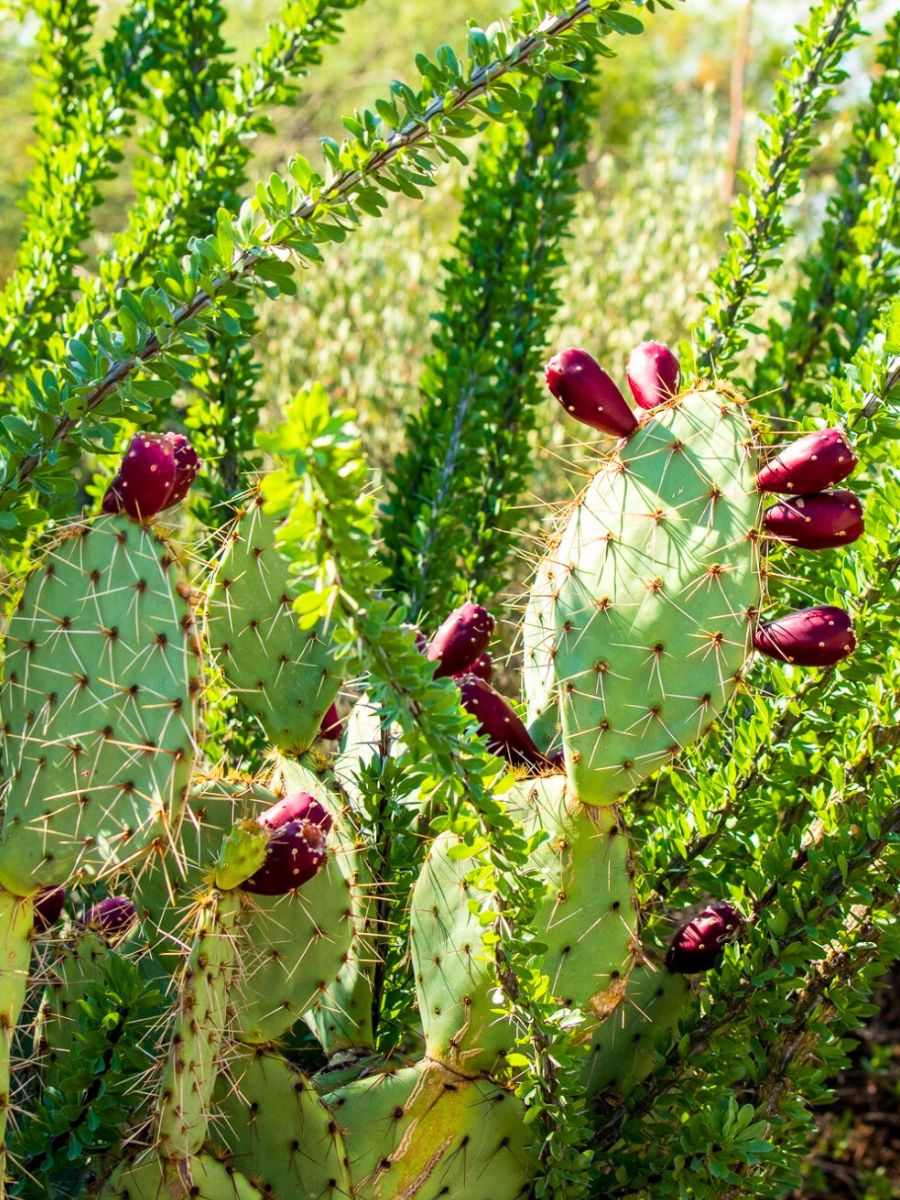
{"type": "Point", "coordinates": [673, 123]}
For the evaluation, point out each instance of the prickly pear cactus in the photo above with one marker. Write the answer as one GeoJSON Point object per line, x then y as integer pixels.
{"type": "Point", "coordinates": [260, 899]}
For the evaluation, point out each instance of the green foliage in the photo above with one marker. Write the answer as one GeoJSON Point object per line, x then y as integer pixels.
{"type": "Point", "coordinates": [809, 81]}
{"type": "Point", "coordinates": [87, 1097]}
{"type": "Point", "coordinates": [855, 265]}
{"type": "Point", "coordinates": [454, 491]}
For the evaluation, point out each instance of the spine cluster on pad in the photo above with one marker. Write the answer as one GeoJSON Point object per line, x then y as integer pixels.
{"type": "Point", "coordinates": [258, 903]}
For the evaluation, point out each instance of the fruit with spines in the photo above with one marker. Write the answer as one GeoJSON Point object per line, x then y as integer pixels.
{"type": "Point", "coordinates": [48, 906]}
{"type": "Point", "coordinates": [698, 944]}
{"type": "Point", "coordinates": [461, 639]}
{"type": "Point", "coordinates": [653, 374]}
{"type": "Point", "coordinates": [111, 917]}
{"type": "Point", "coordinates": [818, 522]}
{"type": "Point", "coordinates": [811, 464]}
{"type": "Point", "coordinates": [588, 394]}
{"type": "Point", "coordinates": [332, 727]}
{"type": "Point", "coordinates": [146, 476]}
{"type": "Point", "coordinates": [811, 637]}
{"type": "Point", "coordinates": [499, 722]}
{"type": "Point", "coordinates": [187, 467]}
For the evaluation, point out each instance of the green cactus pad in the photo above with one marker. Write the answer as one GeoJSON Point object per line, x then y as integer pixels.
{"type": "Point", "coordinates": [198, 1032]}
{"type": "Point", "coordinates": [423, 1133]}
{"type": "Point", "coordinates": [623, 1050]}
{"type": "Point", "coordinates": [284, 674]}
{"type": "Point", "coordinates": [209, 1180]}
{"type": "Point", "coordinates": [290, 948]}
{"type": "Point", "coordinates": [341, 1018]}
{"type": "Point", "coordinates": [98, 706]}
{"type": "Point", "coordinates": [640, 617]}
{"type": "Point", "coordinates": [587, 921]}
{"type": "Point", "coordinates": [276, 1131]}
{"type": "Point", "coordinates": [16, 925]}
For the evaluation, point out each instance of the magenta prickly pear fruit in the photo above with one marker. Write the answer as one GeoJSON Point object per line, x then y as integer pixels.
{"type": "Point", "coordinates": [187, 467]}
{"type": "Point", "coordinates": [112, 917]}
{"type": "Point", "coordinates": [296, 852]}
{"type": "Point", "coordinates": [811, 637]}
{"type": "Point", "coordinates": [461, 639]}
{"type": "Point", "coordinates": [332, 727]}
{"type": "Point", "coordinates": [653, 374]}
{"type": "Point", "coordinates": [588, 394]}
{"type": "Point", "coordinates": [48, 905]}
{"type": "Point", "coordinates": [499, 722]}
{"type": "Point", "coordinates": [816, 522]}
{"type": "Point", "coordinates": [145, 479]}
{"type": "Point", "coordinates": [298, 806]}
{"type": "Point", "coordinates": [112, 498]}
{"type": "Point", "coordinates": [698, 945]}
{"type": "Point", "coordinates": [483, 667]}
{"type": "Point", "coordinates": [814, 462]}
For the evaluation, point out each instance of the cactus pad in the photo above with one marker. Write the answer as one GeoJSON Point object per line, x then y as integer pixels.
{"type": "Point", "coordinates": [276, 1131]}
{"type": "Point", "coordinates": [640, 618]}
{"type": "Point", "coordinates": [284, 674]}
{"type": "Point", "coordinates": [422, 1133]}
{"type": "Point", "coordinates": [97, 706]}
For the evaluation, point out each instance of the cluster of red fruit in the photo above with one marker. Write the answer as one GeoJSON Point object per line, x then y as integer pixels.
{"type": "Point", "coordinates": [156, 473]}
{"type": "Point", "coordinates": [812, 519]}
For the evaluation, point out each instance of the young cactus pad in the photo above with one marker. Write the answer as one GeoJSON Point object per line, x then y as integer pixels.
{"type": "Point", "coordinates": [642, 612]}
{"type": "Point", "coordinates": [98, 706]}
{"type": "Point", "coordinates": [282, 673]}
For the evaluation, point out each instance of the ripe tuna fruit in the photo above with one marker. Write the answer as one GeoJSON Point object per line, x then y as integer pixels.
{"type": "Point", "coordinates": [331, 727]}
{"type": "Point", "coordinates": [298, 806]}
{"type": "Point", "coordinates": [812, 637]}
{"type": "Point", "coordinates": [48, 906]}
{"type": "Point", "coordinates": [588, 394]}
{"type": "Point", "coordinates": [653, 374]}
{"type": "Point", "coordinates": [499, 722]}
{"type": "Point", "coordinates": [145, 479]}
{"type": "Point", "coordinates": [814, 462]}
{"type": "Point", "coordinates": [816, 522]}
{"type": "Point", "coordinates": [297, 848]}
{"type": "Point", "coordinates": [483, 667]}
{"type": "Point", "coordinates": [112, 917]}
{"type": "Point", "coordinates": [461, 639]}
{"type": "Point", "coordinates": [187, 467]}
{"type": "Point", "coordinates": [698, 945]}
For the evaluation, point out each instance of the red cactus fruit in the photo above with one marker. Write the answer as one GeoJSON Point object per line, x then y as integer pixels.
{"type": "Point", "coordinates": [187, 467]}
{"type": "Point", "coordinates": [298, 806]}
{"type": "Point", "coordinates": [461, 639]}
{"type": "Point", "coordinates": [698, 945]}
{"type": "Point", "coordinates": [653, 374]}
{"type": "Point", "coordinates": [146, 478]}
{"type": "Point", "coordinates": [48, 906]}
{"type": "Point", "coordinates": [811, 637]}
{"type": "Point", "coordinates": [112, 917]}
{"type": "Point", "coordinates": [816, 522]}
{"type": "Point", "coordinates": [588, 394]}
{"type": "Point", "coordinates": [483, 667]}
{"type": "Point", "coordinates": [112, 497]}
{"type": "Point", "coordinates": [814, 462]}
{"type": "Point", "coordinates": [499, 722]}
{"type": "Point", "coordinates": [297, 848]}
{"type": "Point", "coordinates": [332, 727]}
